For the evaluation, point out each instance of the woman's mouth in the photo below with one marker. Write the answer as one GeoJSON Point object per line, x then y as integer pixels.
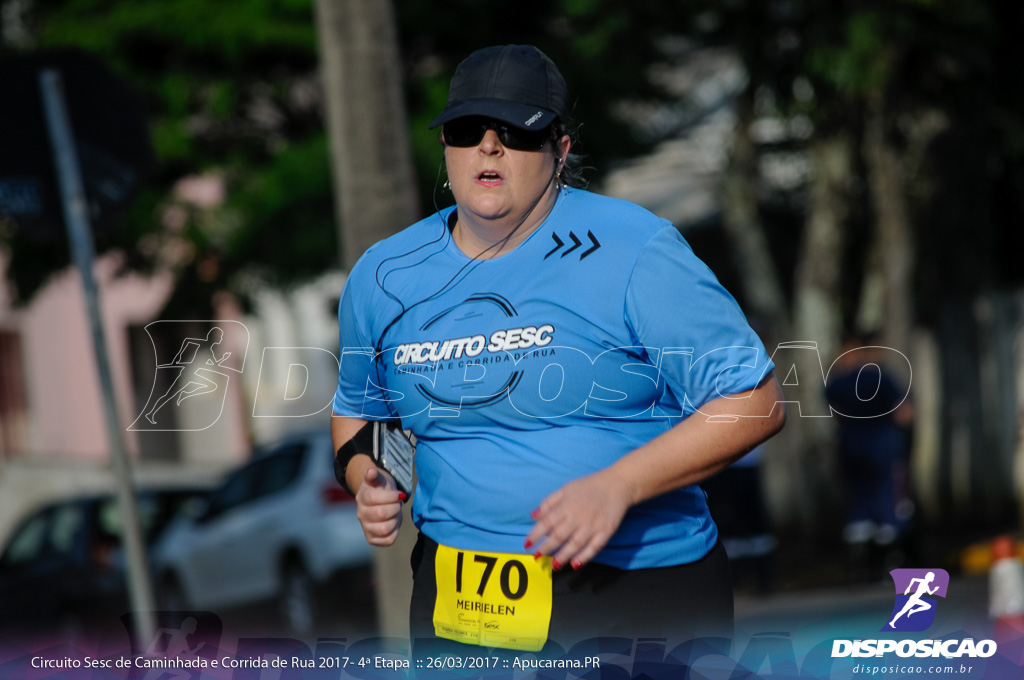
{"type": "Point", "coordinates": [489, 178]}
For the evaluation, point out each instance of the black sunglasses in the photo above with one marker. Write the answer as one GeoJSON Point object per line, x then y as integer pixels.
{"type": "Point", "coordinates": [469, 130]}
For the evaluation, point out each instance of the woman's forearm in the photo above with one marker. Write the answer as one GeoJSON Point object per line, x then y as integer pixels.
{"type": "Point", "coordinates": [700, 445]}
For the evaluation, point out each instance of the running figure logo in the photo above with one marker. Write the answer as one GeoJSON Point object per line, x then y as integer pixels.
{"type": "Point", "coordinates": [199, 368]}
{"type": "Point", "coordinates": [177, 646]}
{"type": "Point", "coordinates": [185, 642]}
{"type": "Point", "coordinates": [914, 609]}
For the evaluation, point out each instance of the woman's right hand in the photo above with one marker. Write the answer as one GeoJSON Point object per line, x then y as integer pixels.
{"type": "Point", "coordinates": [379, 507]}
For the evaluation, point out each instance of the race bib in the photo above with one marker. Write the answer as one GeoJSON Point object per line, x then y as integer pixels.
{"type": "Point", "coordinates": [492, 599]}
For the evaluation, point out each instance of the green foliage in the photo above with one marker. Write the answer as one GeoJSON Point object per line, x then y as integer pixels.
{"type": "Point", "coordinates": [860, 63]}
{"type": "Point", "coordinates": [228, 33]}
{"type": "Point", "coordinates": [288, 209]}
{"type": "Point", "coordinates": [232, 86]}
{"type": "Point", "coordinates": [944, 78]}
{"type": "Point", "coordinates": [218, 80]}
{"type": "Point", "coordinates": [217, 83]}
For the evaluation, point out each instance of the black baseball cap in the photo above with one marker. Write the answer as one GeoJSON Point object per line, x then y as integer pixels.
{"type": "Point", "coordinates": [516, 84]}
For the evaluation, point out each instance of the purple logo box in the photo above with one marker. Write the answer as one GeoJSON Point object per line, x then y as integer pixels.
{"type": "Point", "coordinates": [915, 605]}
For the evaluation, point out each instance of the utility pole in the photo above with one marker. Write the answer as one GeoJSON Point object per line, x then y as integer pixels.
{"type": "Point", "coordinates": [73, 202]}
{"type": "Point", "coordinates": [374, 190]}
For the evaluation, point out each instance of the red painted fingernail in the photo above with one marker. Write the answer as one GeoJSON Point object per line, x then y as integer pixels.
{"type": "Point", "coordinates": [556, 565]}
{"type": "Point", "coordinates": [528, 544]}
{"type": "Point", "coordinates": [575, 564]}
{"type": "Point", "coordinates": [535, 513]}
{"type": "Point", "coordinates": [402, 496]}
{"type": "Point", "coordinates": [537, 555]}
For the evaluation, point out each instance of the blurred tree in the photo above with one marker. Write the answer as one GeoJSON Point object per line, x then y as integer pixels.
{"type": "Point", "coordinates": [231, 90]}
{"type": "Point", "coordinates": [232, 87]}
{"type": "Point", "coordinates": [233, 96]}
{"type": "Point", "coordinates": [913, 147]}
{"type": "Point", "coordinates": [374, 186]}
{"type": "Point", "coordinates": [916, 73]}
{"type": "Point", "coordinates": [374, 189]}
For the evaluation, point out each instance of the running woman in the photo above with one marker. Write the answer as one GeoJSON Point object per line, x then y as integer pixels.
{"type": "Point", "coordinates": [571, 371]}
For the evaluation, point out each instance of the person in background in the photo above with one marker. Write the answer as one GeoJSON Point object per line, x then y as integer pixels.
{"type": "Point", "coordinates": [874, 418]}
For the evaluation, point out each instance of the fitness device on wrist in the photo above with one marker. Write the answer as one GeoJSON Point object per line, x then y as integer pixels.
{"type": "Point", "coordinates": [389, 448]}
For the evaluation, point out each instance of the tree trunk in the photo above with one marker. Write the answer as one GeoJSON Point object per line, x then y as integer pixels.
{"type": "Point", "coordinates": [893, 240]}
{"type": "Point", "coordinates": [817, 319]}
{"type": "Point", "coordinates": [817, 315]}
{"type": "Point", "coordinates": [375, 191]}
{"type": "Point", "coordinates": [762, 288]}
{"type": "Point", "coordinates": [765, 305]}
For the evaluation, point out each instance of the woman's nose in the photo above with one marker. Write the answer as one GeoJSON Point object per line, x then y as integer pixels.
{"type": "Point", "coordinates": [490, 142]}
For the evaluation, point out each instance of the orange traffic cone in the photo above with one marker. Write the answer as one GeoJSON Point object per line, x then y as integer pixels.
{"type": "Point", "coordinates": [1006, 598]}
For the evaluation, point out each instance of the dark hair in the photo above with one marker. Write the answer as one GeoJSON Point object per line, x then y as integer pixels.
{"type": "Point", "coordinates": [572, 167]}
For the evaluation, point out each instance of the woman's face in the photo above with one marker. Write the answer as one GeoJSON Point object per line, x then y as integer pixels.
{"type": "Point", "coordinates": [498, 186]}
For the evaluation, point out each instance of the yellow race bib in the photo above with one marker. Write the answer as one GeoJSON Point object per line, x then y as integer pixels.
{"type": "Point", "coordinates": [492, 599]}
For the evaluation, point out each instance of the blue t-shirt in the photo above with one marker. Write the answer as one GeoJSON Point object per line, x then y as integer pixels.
{"type": "Point", "coordinates": [521, 373]}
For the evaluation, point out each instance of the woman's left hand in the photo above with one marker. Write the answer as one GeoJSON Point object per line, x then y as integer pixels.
{"type": "Point", "coordinates": [574, 523]}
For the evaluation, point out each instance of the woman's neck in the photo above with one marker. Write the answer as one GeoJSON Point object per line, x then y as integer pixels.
{"type": "Point", "coordinates": [485, 239]}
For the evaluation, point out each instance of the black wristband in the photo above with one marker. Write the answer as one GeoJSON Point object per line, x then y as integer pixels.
{"type": "Point", "coordinates": [361, 442]}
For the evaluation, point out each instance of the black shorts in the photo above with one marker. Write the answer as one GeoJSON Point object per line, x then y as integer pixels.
{"type": "Point", "coordinates": [676, 603]}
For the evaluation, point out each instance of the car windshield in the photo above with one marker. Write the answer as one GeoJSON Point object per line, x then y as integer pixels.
{"type": "Point", "coordinates": [156, 509]}
{"type": "Point", "coordinates": [28, 543]}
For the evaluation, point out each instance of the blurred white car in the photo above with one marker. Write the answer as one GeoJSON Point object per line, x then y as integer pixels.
{"type": "Point", "coordinates": [279, 528]}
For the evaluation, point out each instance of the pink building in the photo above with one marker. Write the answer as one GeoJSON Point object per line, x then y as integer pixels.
{"type": "Point", "coordinates": [53, 437]}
